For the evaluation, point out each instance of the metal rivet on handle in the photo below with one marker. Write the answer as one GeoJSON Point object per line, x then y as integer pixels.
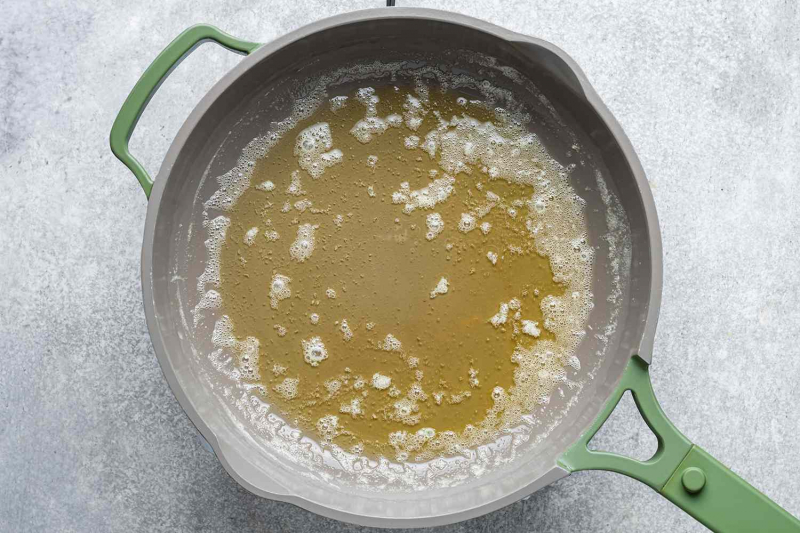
{"type": "Point", "coordinates": [693, 480]}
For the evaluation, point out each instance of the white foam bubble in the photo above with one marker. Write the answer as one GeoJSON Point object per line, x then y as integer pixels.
{"type": "Point", "coordinates": [406, 411]}
{"type": "Point", "coordinates": [371, 125]}
{"type": "Point", "coordinates": [436, 192]}
{"type": "Point", "coordinates": [250, 236]}
{"type": "Point", "coordinates": [302, 205]}
{"type": "Point", "coordinates": [279, 289]}
{"type": "Point", "coordinates": [364, 130]}
{"type": "Point", "coordinates": [245, 351]}
{"type": "Point", "coordinates": [314, 318]}
{"type": "Point", "coordinates": [467, 223]}
{"type": "Point", "coordinates": [332, 386]}
{"type": "Point", "coordinates": [473, 378]}
{"type": "Point", "coordinates": [411, 142]}
{"type": "Point", "coordinates": [491, 256]}
{"type": "Point", "coordinates": [390, 344]}
{"type": "Point", "coordinates": [314, 351]}
{"type": "Point", "coordinates": [416, 393]}
{"type": "Point", "coordinates": [414, 112]}
{"type": "Point", "coordinates": [211, 300]}
{"type": "Point", "coordinates": [303, 245]}
{"type": "Point", "coordinates": [381, 382]}
{"type": "Point", "coordinates": [394, 120]}
{"type": "Point", "coordinates": [529, 327]}
{"type": "Point", "coordinates": [431, 143]}
{"type": "Point", "coordinates": [313, 149]}
{"type": "Point", "coordinates": [287, 388]}
{"type": "Point", "coordinates": [353, 408]}
{"type": "Point", "coordinates": [295, 187]}
{"type": "Point", "coordinates": [328, 427]}
{"type": "Point", "coordinates": [232, 185]}
{"type": "Point", "coordinates": [435, 225]}
{"type": "Point", "coordinates": [441, 288]}
{"type": "Point", "coordinates": [501, 317]}
{"type": "Point", "coordinates": [337, 103]}
{"type": "Point", "coordinates": [330, 293]}
{"type": "Point", "coordinates": [217, 229]}
{"type": "Point", "coordinates": [368, 98]}
{"type": "Point", "coordinates": [486, 227]}
{"type": "Point", "coordinates": [266, 186]}
{"type": "Point", "coordinates": [347, 333]}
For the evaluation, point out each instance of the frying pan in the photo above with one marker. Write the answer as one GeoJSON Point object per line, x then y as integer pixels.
{"type": "Point", "coordinates": [567, 113]}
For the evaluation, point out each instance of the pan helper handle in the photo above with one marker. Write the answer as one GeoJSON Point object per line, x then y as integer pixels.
{"type": "Point", "coordinates": [679, 470]}
{"type": "Point", "coordinates": [148, 84]}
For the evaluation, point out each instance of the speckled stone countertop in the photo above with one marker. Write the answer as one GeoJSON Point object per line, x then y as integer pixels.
{"type": "Point", "coordinates": [91, 438]}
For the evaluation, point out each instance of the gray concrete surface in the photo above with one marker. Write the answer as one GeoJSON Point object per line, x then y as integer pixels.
{"type": "Point", "coordinates": [91, 438]}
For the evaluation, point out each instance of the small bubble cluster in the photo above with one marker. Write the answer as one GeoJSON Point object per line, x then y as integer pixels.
{"type": "Point", "coordinates": [328, 427]}
{"type": "Point", "coordinates": [501, 317]}
{"type": "Point", "coordinates": [279, 289]}
{"type": "Point", "coordinates": [371, 125]}
{"type": "Point", "coordinates": [303, 245]}
{"type": "Point", "coordinates": [390, 344]}
{"type": "Point", "coordinates": [302, 205]}
{"type": "Point", "coordinates": [411, 142]}
{"type": "Point", "coordinates": [287, 388]}
{"type": "Point", "coordinates": [467, 223]}
{"type": "Point", "coordinates": [381, 382]}
{"type": "Point", "coordinates": [211, 299]}
{"type": "Point", "coordinates": [441, 288]}
{"type": "Point", "coordinates": [436, 192]}
{"type": "Point", "coordinates": [250, 236]}
{"type": "Point", "coordinates": [353, 408]}
{"type": "Point", "coordinates": [337, 103]}
{"type": "Point", "coordinates": [347, 333]}
{"type": "Point", "coordinates": [435, 225]}
{"type": "Point", "coordinates": [529, 327]}
{"type": "Point", "coordinates": [217, 230]}
{"type": "Point", "coordinates": [314, 351]}
{"type": "Point", "coordinates": [246, 351]}
{"type": "Point", "coordinates": [295, 187]}
{"type": "Point", "coordinates": [313, 149]}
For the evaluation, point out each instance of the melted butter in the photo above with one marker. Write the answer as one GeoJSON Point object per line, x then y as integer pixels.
{"type": "Point", "coordinates": [361, 263]}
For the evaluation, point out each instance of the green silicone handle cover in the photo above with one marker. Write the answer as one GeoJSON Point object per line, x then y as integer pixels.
{"type": "Point", "coordinates": [148, 84]}
{"type": "Point", "coordinates": [684, 473]}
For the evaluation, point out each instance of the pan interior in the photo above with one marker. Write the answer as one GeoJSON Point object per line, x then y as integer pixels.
{"type": "Point", "coordinates": [407, 272]}
{"type": "Point", "coordinates": [252, 106]}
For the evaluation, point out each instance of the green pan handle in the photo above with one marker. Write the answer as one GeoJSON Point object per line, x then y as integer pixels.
{"type": "Point", "coordinates": [148, 84]}
{"type": "Point", "coordinates": [682, 472]}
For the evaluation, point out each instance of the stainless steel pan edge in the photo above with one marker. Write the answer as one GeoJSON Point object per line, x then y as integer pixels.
{"type": "Point", "coordinates": [233, 462]}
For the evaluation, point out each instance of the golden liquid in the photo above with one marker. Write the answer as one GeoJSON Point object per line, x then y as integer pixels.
{"type": "Point", "coordinates": [382, 269]}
